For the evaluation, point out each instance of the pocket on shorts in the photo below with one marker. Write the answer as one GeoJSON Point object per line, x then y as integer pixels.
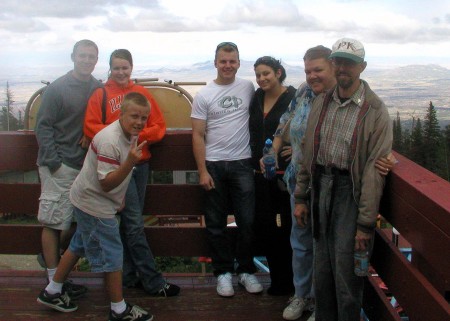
{"type": "Point", "coordinates": [48, 208]}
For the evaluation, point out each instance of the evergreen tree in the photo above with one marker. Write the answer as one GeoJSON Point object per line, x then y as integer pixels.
{"type": "Point", "coordinates": [431, 140]}
{"type": "Point", "coordinates": [7, 120]}
{"type": "Point", "coordinates": [446, 152]}
{"type": "Point", "coordinates": [416, 153]}
{"type": "Point", "coordinates": [397, 132]}
{"type": "Point", "coordinates": [406, 143]}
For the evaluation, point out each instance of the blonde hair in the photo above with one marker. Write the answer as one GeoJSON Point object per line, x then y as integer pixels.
{"type": "Point", "coordinates": [134, 98]}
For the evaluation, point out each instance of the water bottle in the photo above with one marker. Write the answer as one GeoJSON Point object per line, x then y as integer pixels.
{"type": "Point", "coordinates": [269, 160]}
{"type": "Point", "coordinates": [362, 263]}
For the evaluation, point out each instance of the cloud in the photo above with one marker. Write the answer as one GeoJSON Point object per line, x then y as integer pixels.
{"type": "Point", "coordinates": [234, 16]}
{"type": "Point", "coordinates": [53, 8]}
{"type": "Point", "coordinates": [446, 18]}
{"type": "Point", "coordinates": [401, 30]}
{"type": "Point", "coordinates": [262, 14]}
{"type": "Point", "coordinates": [153, 20]}
{"type": "Point", "coordinates": [22, 25]}
{"type": "Point", "coordinates": [70, 8]}
{"type": "Point", "coordinates": [181, 30]}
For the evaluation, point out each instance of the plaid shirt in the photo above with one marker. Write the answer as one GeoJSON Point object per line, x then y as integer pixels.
{"type": "Point", "coordinates": [338, 128]}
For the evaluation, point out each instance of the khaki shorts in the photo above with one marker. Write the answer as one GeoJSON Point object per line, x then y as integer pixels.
{"type": "Point", "coordinates": [55, 208]}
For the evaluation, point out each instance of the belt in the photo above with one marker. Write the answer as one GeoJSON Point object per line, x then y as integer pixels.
{"type": "Point", "coordinates": [328, 170]}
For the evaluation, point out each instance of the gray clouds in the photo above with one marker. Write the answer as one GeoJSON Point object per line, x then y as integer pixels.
{"type": "Point", "coordinates": [289, 16]}
{"type": "Point", "coordinates": [165, 31]}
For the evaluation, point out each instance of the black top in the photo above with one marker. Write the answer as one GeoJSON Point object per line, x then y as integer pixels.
{"type": "Point", "coordinates": [262, 128]}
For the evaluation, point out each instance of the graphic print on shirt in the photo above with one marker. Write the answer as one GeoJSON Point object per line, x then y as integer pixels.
{"type": "Point", "coordinates": [114, 103]}
{"type": "Point", "coordinates": [228, 104]}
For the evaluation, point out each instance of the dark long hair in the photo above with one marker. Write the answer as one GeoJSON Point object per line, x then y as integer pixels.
{"type": "Point", "coordinates": [272, 63]}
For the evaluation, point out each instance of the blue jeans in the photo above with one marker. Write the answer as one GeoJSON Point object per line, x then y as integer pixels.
{"type": "Point", "coordinates": [98, 240]}
{"type": "Point", "coordinates": [302, 256]}
{"type": "Point", "coordinates": [234, 192]}
{"type": "Point", "coordinates": [338, 290]}
{"type": "Point", "coordinates": [138, 260]}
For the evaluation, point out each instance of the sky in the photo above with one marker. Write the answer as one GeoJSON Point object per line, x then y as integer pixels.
{"type": "Point", "coordinates": [38, 34]}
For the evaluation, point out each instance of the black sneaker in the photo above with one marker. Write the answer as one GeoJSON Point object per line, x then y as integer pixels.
{"type": "Point", "coordinates": [131, 313]}
{"type": "Point", "coordinates": [58, 301]}
{"type": "Point", "coordinates": [75, 291]}
{"type": "Point", "coordinates": [168, 289]}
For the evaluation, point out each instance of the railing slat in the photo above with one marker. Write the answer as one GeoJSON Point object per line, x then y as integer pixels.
{"type": "Point", "coordinates": [174, 200]}
{"type": "Point", "coordinates": [18, 151]}
{"type": "Point", "coordinates": [417, 203]}
{"type": "Point", "coordinates": [19, 198]}
{"type": "Point", "coordinates": [407, 284]}
{"type": "Point", "coordinates": [375, 303]}
{"type": "Point", "coordinates": [164, 240]}
{"type": "Point", "coordinates": [161, 200]}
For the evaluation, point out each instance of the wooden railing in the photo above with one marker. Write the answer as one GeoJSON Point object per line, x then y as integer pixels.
{"type": "Point", "coordinates": [416, 202]}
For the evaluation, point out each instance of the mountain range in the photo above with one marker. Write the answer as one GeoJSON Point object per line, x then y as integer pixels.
{"type": "Point", "coordinates": [406, 89]}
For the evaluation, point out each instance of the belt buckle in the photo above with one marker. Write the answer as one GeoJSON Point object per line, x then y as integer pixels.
{"type": "Point", "coordinates": [328, 170]}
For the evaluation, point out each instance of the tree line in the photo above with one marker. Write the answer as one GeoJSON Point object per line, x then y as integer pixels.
{"type": "Point", "coordinates": [425, 143]}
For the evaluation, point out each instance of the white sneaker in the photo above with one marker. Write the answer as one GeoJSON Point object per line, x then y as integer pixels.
{"type": "Point", "coordinates": [295, 308]}
{"type": "Point", "coordinates": [225, 285]}
{"type": "Point", "coordinates": [250, 282]}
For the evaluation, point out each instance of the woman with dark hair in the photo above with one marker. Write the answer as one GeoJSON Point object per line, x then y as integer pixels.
{"type": "Point", "coordinates": [272, 212]}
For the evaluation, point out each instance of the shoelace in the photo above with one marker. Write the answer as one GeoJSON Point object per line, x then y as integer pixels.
{"type": "Point", "coordinates": [251, 279]}
{"type": "Point", "coordinates": [164, 288]}
{"type": "Point", "coordinates": [292, 299]}
{"type": "Point", "coordinates": [137, 312]}
{"type": "Point", "coordinates": [65, 297]}
{"type": "Point", "coordinates": [224, 276]}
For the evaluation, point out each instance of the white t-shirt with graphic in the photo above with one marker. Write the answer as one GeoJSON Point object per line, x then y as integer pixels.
{"type": "Point", "coordinates": [225, 108]}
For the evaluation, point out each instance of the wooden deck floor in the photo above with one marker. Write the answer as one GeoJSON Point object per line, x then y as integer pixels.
{"type": "Point", "coordinates": [198, 300]}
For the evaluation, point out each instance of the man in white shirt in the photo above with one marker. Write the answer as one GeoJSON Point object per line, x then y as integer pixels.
{"type": "Point", "coordinates": [220, 138]}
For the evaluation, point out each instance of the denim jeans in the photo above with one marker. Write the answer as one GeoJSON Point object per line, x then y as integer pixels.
{"type": "Point", "coordinates": [338, 290]}
{"type": "Point", "coordinates": [98, 240]}
{"type": "Point", "coordinates": [302, 256]}
{"type": "Point", "coordinates": [234, 182]}
{"type": "Point", "coordinates": [138, 260]}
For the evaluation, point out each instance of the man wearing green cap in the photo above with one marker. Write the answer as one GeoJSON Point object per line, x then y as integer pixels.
{"type": "Point", "coordinates": [348, 130]}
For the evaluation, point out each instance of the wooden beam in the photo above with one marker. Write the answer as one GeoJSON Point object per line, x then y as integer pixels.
{"type": "Point", "coordinates": [417, 204]}
{"type": "Point", "coordinates": [18, 151]}
{"type": "Point", "coordinates": [174, 200]}
{"type": "Point", "coordinates": [19, 198]}
{"type": "Point", "coordinates": [407, 284]}
{"type": "Point", "coordinates": [375, 303]}
{"type": "Point", "coordinates": [162, 200]}
{"type": "Point", "coordinates": [164, 240]}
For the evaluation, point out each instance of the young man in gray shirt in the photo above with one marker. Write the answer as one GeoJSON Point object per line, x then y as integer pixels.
{"type": "Point", "coordinates": [59, 132]}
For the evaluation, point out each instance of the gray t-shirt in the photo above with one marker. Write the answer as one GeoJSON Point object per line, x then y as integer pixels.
{"type": "Point", "coordinates": [59, 125]}
{"type": "Point", "coordinates": [108, 150]}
